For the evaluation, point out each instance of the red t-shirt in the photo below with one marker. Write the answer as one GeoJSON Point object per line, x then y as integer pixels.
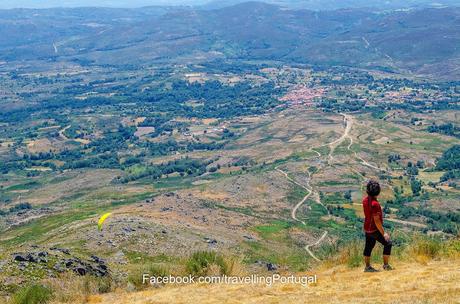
{"type": "Point", "coordinates": [369, 211]}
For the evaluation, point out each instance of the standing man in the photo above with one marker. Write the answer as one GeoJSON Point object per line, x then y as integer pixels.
{"type": "Point", "coordinates": [373, 227]}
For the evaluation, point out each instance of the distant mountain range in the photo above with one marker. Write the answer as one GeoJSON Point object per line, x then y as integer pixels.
{"type": "Point", "coordinates": [7, 4]}
{"type": "Point", "coordinates": [423, 40]}
{"type": "Point", "coordinates": [305, 4]}
{"type": "Point", "coordinates": [339, 4]}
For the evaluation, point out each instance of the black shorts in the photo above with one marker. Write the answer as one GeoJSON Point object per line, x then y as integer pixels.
{"type": "Point", "coordinates": [371, 238]}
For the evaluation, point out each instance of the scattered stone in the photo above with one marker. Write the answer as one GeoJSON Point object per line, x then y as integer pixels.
{"type": "Point", "coordinates": [31, 257]}
{"type": "Point", "coordinates": [43, 254]}
{"type": "Point", "coordinates": [97, 259]}
{"type": "Point", "coordinates": [80, 271]}
{"type": "Point", "coordinates": [19, 257]}
{"type": "Point", "coordinates": [68, 263]}
{"type": "Point", "coordinates": [128, 229]}
{"type": "Point", "coordinates": [97, 268]}
{"type": "Point", "coordinates": [271, 267]}
{"type": "Point", "coordinates": [63, 250]}
{"type": "Point", "coordinates": [43, 260]}
{"type": "Point", "coordinates": [210, 241]}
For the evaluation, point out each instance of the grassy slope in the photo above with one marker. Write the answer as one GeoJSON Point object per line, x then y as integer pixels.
{"type": "Point", "coordinates": [432, 282]}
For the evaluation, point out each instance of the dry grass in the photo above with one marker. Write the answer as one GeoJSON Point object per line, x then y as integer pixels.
{"type": "Point", "coordinates": [40, 145]}
{"type": "Point", "coordinates": [423, 249]}
{"type": "Point", "coordinates": [425, 272]}
{"type": "Point", "coordinates": [141, 131]}
{"type": "Point", "coordinates": [427, 177]}
{"type": "Point", "coordinates": [68, 288]}
{"type": "Point", "coordinates": [435, 282]}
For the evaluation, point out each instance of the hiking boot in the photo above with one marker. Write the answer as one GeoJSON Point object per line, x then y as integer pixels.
{"type": "Point", "coordinates": [370, 269]}
{"type": "Point", "coordinates": [387, 267]}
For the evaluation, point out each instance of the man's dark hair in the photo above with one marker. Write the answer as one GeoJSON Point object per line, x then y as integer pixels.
{"type": "Point", "coordinates": [373, 188]}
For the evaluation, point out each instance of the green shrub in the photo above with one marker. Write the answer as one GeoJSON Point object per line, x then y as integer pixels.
{"type": "Point", "coordinates": [425, 246]}
{"type": "Point", "coordinates": [198, 264]}
{"type": "Point", "coordinates": [32, 294]}
{"type": "Point", "coordinates": [452, 248]}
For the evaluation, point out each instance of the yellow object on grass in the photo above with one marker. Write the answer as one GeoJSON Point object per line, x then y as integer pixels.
{"type": "Point", "coordinates": [102, 219]}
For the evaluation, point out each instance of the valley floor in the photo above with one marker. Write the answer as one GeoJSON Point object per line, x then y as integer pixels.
{"type": "Point", "coordinates": [432, 282]}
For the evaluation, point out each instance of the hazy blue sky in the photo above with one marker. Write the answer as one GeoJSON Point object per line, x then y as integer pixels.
{"type": "Point", "coordinates": [105, 3]}
{"type": "Point", "coordinates": [309, 4]}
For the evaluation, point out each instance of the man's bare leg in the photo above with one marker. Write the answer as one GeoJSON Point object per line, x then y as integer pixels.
{"type": "Point", "coordinates": [386, 258]}
{"type": "Point", "coordinates": [367, 260]}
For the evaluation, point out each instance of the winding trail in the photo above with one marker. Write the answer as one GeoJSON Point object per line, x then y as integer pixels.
{"type": "Point", "coordinates": [346, 134]}
{"type": "Point", "coordinates": [309, 189]}
{"type": "Point", "coordinates": [307, 248]}
{"type": "Point", "coordinates": [332, 145]}
{"type": "Point", "coordinates": [61, 133]}
{"type": "Point", "coordinates": [348, 120]}
{"type": "Point", "coordinates": [294, 210]}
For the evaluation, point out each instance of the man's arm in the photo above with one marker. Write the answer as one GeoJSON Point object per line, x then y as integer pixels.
{"type": "Point", "coordinates": [379, 225]}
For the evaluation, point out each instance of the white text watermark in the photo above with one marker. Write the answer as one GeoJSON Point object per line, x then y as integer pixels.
{"type": "Point", "coordinates": [223, 279]}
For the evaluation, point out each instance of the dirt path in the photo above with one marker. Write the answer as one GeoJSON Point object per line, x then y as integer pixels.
{"type": "Point", "coordinates": [300, 203]}
{"type": "Point", "coordinates": [310, 191]}
{"type": "Point", "coordinates": [406, 223]}
{"type": "Point", "coordinates": [307, 248]}
{"type": "Point", "coordinates": [364, 162]}
{"type": "Point", "coordinates": [332, 145]}
{"type": "Point", "coordinates": [294, 210]}
{"type": "Point", "coordinates": [350, 121]}
{"type": "Point", "coordinates": [61, 133]}
{"type": "Point", "coordinates": [346, 134]}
